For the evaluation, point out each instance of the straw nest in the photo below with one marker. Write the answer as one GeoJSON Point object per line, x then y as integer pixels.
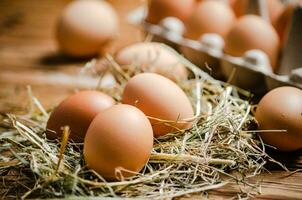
{"type": "Point", "coordinates": [221, 147]}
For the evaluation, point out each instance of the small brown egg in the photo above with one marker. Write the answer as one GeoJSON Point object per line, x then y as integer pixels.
{"type": "Point", "coordinates": [160, 98]}
{"type": "Point", "coordinates": [152, 57]}
{"type": "Point", "coordinates": [275, 8]}
{"type": "Point", "coordinates": [160, 9]}
{"type": "Point", "coordinates": [283, 21]}
{"type": "Point", "coordinates": [281, 109]}
{"type": "Point", "coordinates": [77, 111]}
{"type": "Point", "coordinates": [209, 17]}
{"type": "Point", "coordinates": [232, 3]}
{"type": "Point", "coordinates": [119, 137]}
{"type": "Point", "coordinates": [252, 32]}
{"type": "Point", "coordinates": [84, 27]}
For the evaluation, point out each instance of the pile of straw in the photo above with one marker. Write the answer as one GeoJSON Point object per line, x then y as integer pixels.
{"type": "Point", "coordinates": [221, 147]}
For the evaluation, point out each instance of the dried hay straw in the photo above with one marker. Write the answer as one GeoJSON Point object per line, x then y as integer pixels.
{"type": "Point", "coordinates": [203, 158]}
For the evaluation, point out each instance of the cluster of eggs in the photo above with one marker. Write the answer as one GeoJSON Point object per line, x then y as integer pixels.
{"type": "Point", "coordinates": [240, 32]}
{"type": "Point", "coordinates": [120, 136]}
{"type": "Point", "coordinates": [279, 113]}
{"type": "Point", "coordinates": [85, 28]}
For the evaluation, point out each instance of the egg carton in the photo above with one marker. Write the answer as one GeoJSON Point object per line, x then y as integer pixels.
{"type": "Point", "coordinates": [251, 71]}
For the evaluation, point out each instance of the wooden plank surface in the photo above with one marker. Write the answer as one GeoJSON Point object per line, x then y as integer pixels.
{"type": "Point", "coordinates": [28, 49]}
{"type": "Point", "coordinates": [27, 46]}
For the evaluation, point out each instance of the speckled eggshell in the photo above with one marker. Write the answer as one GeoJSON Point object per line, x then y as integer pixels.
{"type": "Point", "coordinates": [85, 26]}
{"type": "Point", "coordinates": [281, 109]}
{"type": "Point", "coordinates": [119, 137]}
{"type": "Point", "coordinates": [77, 111]}
{"type": "Point", "coordinates": [160, 98]}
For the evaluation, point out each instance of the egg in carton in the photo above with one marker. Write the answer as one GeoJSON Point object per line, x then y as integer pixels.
{"type": "Point", "coordinates": [252, 71]}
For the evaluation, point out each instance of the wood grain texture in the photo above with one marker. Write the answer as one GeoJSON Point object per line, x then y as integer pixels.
{"type": "Point", "coordinates": [28, 49]}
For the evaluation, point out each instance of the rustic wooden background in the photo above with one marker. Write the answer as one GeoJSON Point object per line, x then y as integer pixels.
{"type": "Point", "coordinates": [28, 50]}
{"type": "Point", "coordinates": [28, 55]}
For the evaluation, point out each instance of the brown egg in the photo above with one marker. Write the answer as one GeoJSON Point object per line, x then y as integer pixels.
{"type": "Point", "coordinates": [275, 8]}
{"type": "Point", "coordinates": [232, 3]}
{"type": "Point", "coordinates": [152, 57]}
{"type": "Point", "coordinates": [160, 9]}
{"type": "Point", "coordinates": [283, 21]}
{"type": "Point", "coordinates": [209, 17]}
{"type": "Point", "coordinates": [119, 137]}
{"type": "Point", "coordinates": [77, 111]}
{"type": "Point", "coordinates": [252, 32]}
{"type": "Point", "coordinates": [160, 98]}
{"type": "Point", "coordinates": [281, 109]}
{"type": "Point", "coordinates": [84, 27]}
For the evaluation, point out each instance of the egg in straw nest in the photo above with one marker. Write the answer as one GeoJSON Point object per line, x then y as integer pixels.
{"type": "Point", "coordinates": [220, 148]}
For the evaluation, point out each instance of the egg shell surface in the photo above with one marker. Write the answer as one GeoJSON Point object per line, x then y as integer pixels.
{"type": "Point", "coordinates": [252, 32]}
{"type": "Point", "coordinates": [77, 111]}
{"type": "Point", "coordinates": [119, 137]}
{"type": "Point", "coordinates": [281, 109]}
{"type": "Point", "coordinates": [160, 98]}
{"type": "Point", "coordinates": [84, 27]}
{"type": "Point", "coordinates": [275, 8]}
{"type": "Point", "coordinates": [209, 17]}
{"type": "Point", "coordinates": [160, 9]}
{"type": "Point", "coordinates": [152, 57]}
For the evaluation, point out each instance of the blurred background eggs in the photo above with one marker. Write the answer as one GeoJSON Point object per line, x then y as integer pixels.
{"type": "Point", "coordinates": [209, 17]}
{"type": "Point", "coordinates": [275, 8]}
{"type": "Point", "coordinates": [160, 9]}
{"type": "Point", "coordinates": [152, 57]}
{"type": "Point", "coordinates": [283, 21]}
{"type": "Point", "coordinates": [252, 32]}
{"type": "Point", "coordinates": [85, 27]}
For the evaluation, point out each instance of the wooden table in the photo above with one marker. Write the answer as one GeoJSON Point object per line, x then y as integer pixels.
{"type": "Point", "coordinates": [28, 53]}
{"type": "Point", "coordinates": [28, 49]}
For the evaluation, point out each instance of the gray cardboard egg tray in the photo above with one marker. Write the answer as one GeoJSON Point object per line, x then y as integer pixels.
{"type": "Point", "coordinates": [251, 72]}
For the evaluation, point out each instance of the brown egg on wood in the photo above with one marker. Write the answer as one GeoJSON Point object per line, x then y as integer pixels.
{"type": "Point", "coordinates": [77, 111]}
{"type": "Point", "coordinates": [252, 32]}
{"type": "Point", "coordinates": [161, 99]}
{"type": "Point", "coordinates": [118, 142]}
{"type": "Point", "coordinates": [152, 57]}
{"type": "Point", "coordinates": [160, 9]}
{"type": "Point", "coordinates": [85, 27]}
{"type": "Point", "coordinates": [209, 17]}
{"type": "Point", "coordinates": [281, 109]}
{"type": "Point", "coordinates": [275, 8]}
